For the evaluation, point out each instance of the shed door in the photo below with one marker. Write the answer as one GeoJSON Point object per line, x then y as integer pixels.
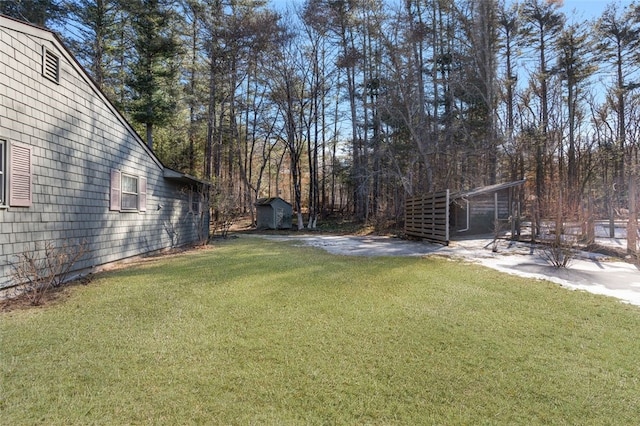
{"type": "Point", "coordinates": [279, 217]}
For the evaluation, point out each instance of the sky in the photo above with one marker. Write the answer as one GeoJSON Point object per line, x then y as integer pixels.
{"type": "Point", "coordinates": [587, 9]}
{"type": "Point", "coordinates": [584, 9]}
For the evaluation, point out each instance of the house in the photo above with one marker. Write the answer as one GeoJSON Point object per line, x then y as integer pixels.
{"type": "Point", "coordinates": [273, 213]}
{"type": "Point", "coordinates": [73, 169]}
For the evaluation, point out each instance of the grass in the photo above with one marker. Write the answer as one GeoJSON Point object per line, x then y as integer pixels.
{"type": "Point", "coordinates": [256, 332]}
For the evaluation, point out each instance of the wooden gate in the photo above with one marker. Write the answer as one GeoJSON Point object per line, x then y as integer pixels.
{"type": "Point", "coordinates": [428, 217]}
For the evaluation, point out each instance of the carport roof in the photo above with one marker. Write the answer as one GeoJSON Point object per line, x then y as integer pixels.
{"type": "Point", "coordinates": [487, 189]}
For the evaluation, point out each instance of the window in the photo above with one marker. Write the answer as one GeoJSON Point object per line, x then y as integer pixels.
{"type": "Point", "coordinates": [3, 171]}
{"type": "Point", "coordinates": [194, 201]}
{"type": "Point", "coordinates": [128, 192]}
{"type": "Point", "coordinates": [50, 65]}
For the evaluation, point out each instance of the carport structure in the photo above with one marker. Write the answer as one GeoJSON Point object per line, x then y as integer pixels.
{"type": "Point", "coordinates": [439, 215]}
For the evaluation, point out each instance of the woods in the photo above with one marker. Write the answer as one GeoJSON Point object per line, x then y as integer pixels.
{"type": "Point", "coordinates": [346, 107]}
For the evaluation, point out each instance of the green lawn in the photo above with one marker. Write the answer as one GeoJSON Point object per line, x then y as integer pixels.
{"type": "Point", "coordinates": [256, 332]}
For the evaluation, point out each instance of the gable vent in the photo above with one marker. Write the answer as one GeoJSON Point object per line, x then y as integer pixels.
{"type": "Point", "coordinates": [51, 65]}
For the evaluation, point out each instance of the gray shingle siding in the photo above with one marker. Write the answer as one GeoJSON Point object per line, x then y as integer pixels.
{"type": "Point", "coordinates": [77, 138]}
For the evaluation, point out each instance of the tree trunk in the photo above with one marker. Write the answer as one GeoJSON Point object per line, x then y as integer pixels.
{"type": "Point", "coordinates": [150, 135]}
{"type": "Point", "coordinates": [632, 225]}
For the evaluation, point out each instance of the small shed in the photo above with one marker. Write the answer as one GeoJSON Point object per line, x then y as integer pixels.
{"type": "Point", "coordinates": [273, 213]}
{"type": "Point", "coordinates": [476, 211]}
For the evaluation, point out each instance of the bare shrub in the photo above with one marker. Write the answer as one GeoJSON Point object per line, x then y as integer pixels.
{"type": "Point", "coordinates": [224, 226]}
{"type": "Point", "coordinates": [199, 207]}
{"type": "Point", "coordinates": [39, 271]}
{"type": "Point", "coordinates": [225, 212]}
{"type": "Point", "coordinates": [200, 216]}
{"type": "Point", "coordinates": [559, 252]}
{"type": "Point", "coordinates": [499, 227]}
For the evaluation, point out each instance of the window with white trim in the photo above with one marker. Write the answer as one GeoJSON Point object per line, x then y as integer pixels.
{"type": "Point", "coordinates": [127, 192]}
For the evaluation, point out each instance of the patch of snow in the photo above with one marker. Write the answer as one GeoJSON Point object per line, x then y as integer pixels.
{"type": "Point", "coordinates": [590, 272]}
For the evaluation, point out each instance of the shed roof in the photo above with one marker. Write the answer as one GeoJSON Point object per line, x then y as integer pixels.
{"type": "Point", "coordinates": [487, 189]}
{"type": "Point", "coordinates": [268, 201]}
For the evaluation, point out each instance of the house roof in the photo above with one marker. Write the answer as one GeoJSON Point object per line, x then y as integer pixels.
{"type": "Point", "coordinates": [56, 40]}
{"type": "Point", "coordinates": [487, 189]}
{"type": "Point", "coordinates": [172, 174]}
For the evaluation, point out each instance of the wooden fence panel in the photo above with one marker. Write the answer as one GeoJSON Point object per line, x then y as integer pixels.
{"type": "Point", "coordinates": [428, 217]}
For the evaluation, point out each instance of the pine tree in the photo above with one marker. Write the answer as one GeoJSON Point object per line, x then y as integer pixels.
{"type": "Point", "coordinates": [617, 40]}
{"type": "Point", "coordinates": [573, 62]}
{"type": "Point", "coordinates": [95, 40]}
{"type": "Point", "coordinates": [543, 23]}
{"type": "Point", "coordinates": [154, 70]}
{"type": "Point", "coordinates": [39, 12]}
